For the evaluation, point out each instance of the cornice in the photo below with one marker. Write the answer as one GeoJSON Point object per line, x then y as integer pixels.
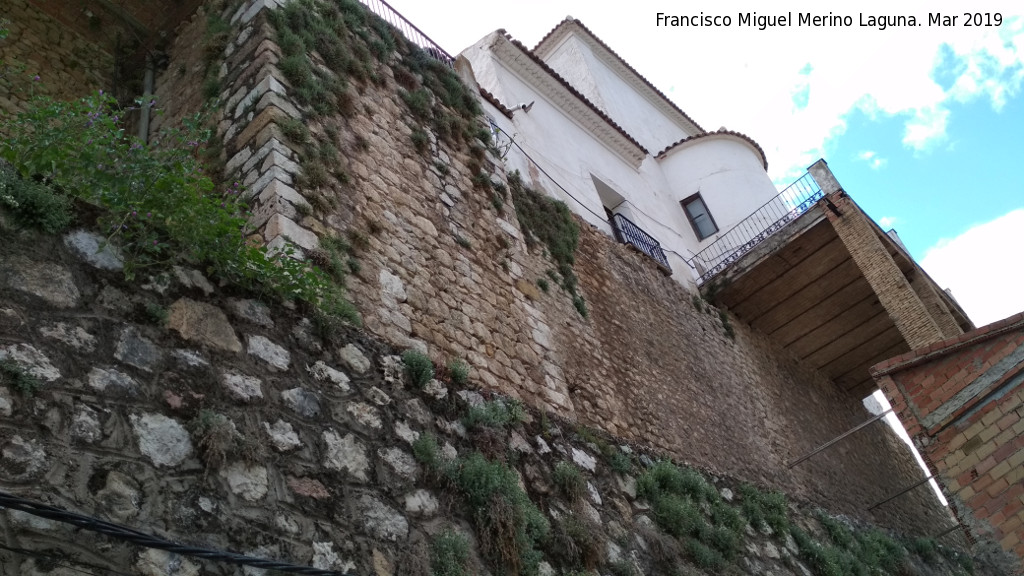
{"type": "Point", "coordinates": [718, 134]}
{"type": "Point", "coordinates": [609, 57]}
{"type": "Point", "coordinates": [521, 61]}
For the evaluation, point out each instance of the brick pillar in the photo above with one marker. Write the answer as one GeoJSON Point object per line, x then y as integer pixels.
{"type": "Point", "coordinates": [935, 305]}
{"type": "Point", "coordinates": [890, 285]}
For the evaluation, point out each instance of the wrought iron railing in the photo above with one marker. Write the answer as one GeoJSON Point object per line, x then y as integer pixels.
{"type": "Point", "coordinates": [629, 233]}
{"type": "Point", "coordinates": [411, 32]}
{"type": "Point", "coordinates": [773, 216]}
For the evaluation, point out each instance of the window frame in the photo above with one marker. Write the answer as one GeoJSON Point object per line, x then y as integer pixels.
{"type": "Point", "coordinates": [696, 230]}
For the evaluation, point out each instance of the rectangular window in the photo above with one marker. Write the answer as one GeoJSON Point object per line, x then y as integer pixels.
{"type": "Point", "coordinates": [701, 220]}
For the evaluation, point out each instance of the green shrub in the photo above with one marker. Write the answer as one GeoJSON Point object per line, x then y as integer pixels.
{"type": "Point", "coordinates": [420, 140]}
{"type": "Point", "coordinates": [13, 375]}
{"type": "Point", "coordinates": [215, 436]}
{"type": "Point", "coordinates": [623, 568]}
{"type": "Point", "coordinates": [543, 284]}
{"type": "Point", "coordinates": [418, 102]}
{"type": "Point", "coordinates": [678, 516]}
{"type": "Point", "coordinates": [576, 542]}
{"type": "Point", "coordinates": [569, 480]}
{"type": "Point", "coordinates": [458, 370]}
{"type": "Point", "coordinates": [765, 509]}
{"type": "Point", "coordinates": [155, 313]}
{"type": "Point", "coordinates": [157, 204]}
{"type": "Point", "coordinates": [838, 532]}
{"type": "Point", "coordinates": [704, 557]}
{"type": "Point", "coordinates": [509, 526]}
{"type": "Point", "coordinates": [32, 204]}
{"type": "Point", "coordinates": [294, 130]}
{"type": "Point", "coordinates": [449, 555]}
{"type": "Point", "coordinates": [619, 461]}
{"type": "Point", "coordinates": [418, 368]}
{"type": "Point", "coordinates": [580, 305]}
{"type": "Point", "coordinates": [497, 414]}
{"type": "Point", "coordinates": [549, 222]}
{"type": "Point", "coordinates": [723, 514]}
{"type": "Point", "coordinates": [925, 548]}
{"type": "Point", "coordinates": [426, 451]}
{"type": "Point", "coordinates": [665, 477]}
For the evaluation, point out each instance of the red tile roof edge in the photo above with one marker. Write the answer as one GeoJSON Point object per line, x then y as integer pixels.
{"type": "Point", "coordinates": [493, 101]}
{"type": "Point", "coordinates": [764, 159]}
{"type": "Point", "coordinates": [640, 76]}
{"type": "Point", "coordinates": [949, 345]}
{"type": "Point", "coordinates": [571, 89]}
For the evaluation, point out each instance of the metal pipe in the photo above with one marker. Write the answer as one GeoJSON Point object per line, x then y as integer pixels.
{"type": "Point", "coordinates": [946, 531]}
{"type": "Point", "coordinates": [828, 444]}
{"type": "Point", "coordinates": [147, 96]}
{"type": "Point", "coordinates": [900, 493]}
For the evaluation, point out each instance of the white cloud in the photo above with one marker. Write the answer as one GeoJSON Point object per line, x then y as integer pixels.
{"type": "Point", "coordinates": [872, 158]}
{"type": "Point", "coordinates": [887, 222]}
{"type": "Point", "coordinates": [791, 89]}
{"type": "Point", "coordinates": [981, 269]}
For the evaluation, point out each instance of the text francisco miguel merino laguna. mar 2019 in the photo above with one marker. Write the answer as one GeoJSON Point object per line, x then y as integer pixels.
{"type": "Point", "coordinates": [810, 19]}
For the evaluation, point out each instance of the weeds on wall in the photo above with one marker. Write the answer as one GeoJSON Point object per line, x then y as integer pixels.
{"type": "Point", "coordinates": [449, 555]}
{"type": "Point", "coordinates": [458, 371]}
{"type": "Point", "coordinates": [154, 201]}
{"type": "Point", "coordinates": [419, 369]}
{"type": "Point", "coordinates": [550, 223]}
{"type": "Point", "coordinates": [14, 375]}
{"type": "Point", "coordinates": [508, 524]}
{"type": "Point", "coordinates": [497, 414]}
{"type": "Point", "coordinates": [569, 480]}
{"type": "Point", "coordinates": [215, 436]}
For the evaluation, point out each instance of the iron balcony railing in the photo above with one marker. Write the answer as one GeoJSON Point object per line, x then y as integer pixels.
{"type": "Point", "coordinates": [629, 233]}
{"type": "Point", "coordinates": [773, 216]}
{"type": "Point", "coordinates": [411, 32]}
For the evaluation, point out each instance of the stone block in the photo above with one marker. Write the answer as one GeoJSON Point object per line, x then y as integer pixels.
{"type": "Point", "coordinates": [283, 227]}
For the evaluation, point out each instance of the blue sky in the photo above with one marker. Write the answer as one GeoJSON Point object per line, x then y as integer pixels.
{"type": "Point", "coordinates": [924, 126]}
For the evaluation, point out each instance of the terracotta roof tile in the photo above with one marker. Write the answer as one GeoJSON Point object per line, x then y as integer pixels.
{"type": "Point", "coordinates": [569, 20]}
{"type": "Point", "coordinates": [543, 65]}
{"type": "Point", "coordinates": [493, 100]}
{"type": "Point", "coordinates": [720, 132]}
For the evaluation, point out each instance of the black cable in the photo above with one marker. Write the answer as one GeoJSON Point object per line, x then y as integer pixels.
{"type": "Point", "coordinates": [62, 561]}
{"type": "Point", "coordinates": [150, 541]}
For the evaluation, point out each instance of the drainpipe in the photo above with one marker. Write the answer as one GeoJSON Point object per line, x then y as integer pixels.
{"type": "Point", "coordinates": [147, 94]}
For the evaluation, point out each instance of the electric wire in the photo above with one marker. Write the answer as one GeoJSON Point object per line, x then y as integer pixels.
{"type": "Point", "coordinates": [149, 541]}
{"type": "Point", "coordinates": [580, 202]}
{"type": "Point", "coordinates": [63, 562]}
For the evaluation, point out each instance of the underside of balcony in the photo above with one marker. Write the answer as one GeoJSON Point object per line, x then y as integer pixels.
{"type": "Point", "coordinates": [803, 288]}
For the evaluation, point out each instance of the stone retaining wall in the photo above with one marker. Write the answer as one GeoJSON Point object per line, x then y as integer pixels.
{"type": "Point", "coordinates": [200, 414]}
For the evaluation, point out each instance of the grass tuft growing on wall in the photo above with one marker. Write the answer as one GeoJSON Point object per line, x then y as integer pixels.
{"type": "Point", "coordinates": [419, 368]}
{"type": "Point", "coordinates": [550, 223]}
{"type": "Point", "coordinates": [449, 555]}
{"type": "Point", "coordinates": [13, 375]}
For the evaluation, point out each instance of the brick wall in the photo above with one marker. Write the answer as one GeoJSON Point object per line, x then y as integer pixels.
{"type": "Point", "coordinates": [962, 401]}
{"type": "Point", "coordinates": [910, 315]}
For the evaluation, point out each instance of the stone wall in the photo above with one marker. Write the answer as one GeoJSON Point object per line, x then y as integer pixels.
{"type": "Point", "coordinates": [67, 65]}
{"type": "Point", "coordinates": [209, 418]}
{"type": "Point", "coordinates": [443, 267]}
{"type": "Point", "coordinates": [962, 402]}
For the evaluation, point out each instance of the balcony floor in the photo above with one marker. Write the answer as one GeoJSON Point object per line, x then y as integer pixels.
{"type": "Point", "coordinates": [802, 288]}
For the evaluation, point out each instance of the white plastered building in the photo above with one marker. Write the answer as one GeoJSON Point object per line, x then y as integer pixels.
{"type": "Point", "coordinates": [601, 138]}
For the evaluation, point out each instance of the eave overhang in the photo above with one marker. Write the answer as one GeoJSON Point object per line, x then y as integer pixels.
{"type": "Point", "coordinates": [521, 61]}
{"type": "Point", "coordinates": [610, 58]}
